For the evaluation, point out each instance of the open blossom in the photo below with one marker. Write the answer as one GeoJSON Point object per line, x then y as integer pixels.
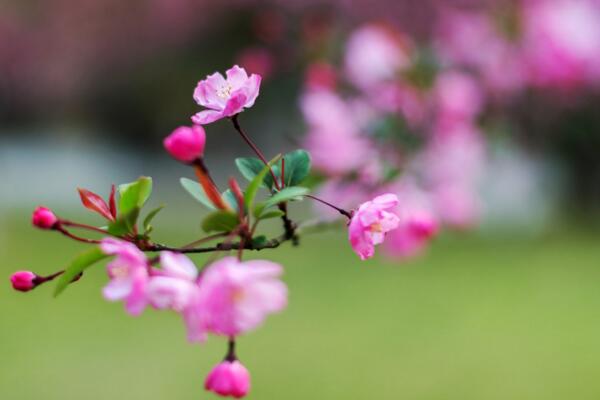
{"type": "Point", "coordinates": [186, 143]}
{"type": "Point", "coordinates": [229, 378]}
{"type": "Point", "coordinates": [23, 281]}
{"type": "Point", "coordinates": [371, 222]}
{"type": "Point", "coordinates": [235, 297]}
{"type": "Point", "coordinates": [128, 275]}
{"type": "Point", "coordinates": [43, 218]}
{"type": "Point", "coordinates": [174, 284]}
{"type": "Point", "coordinates": [225, 97]}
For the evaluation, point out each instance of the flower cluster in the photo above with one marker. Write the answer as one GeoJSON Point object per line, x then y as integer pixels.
{"type": "Point", "coordinates": [227, 296]}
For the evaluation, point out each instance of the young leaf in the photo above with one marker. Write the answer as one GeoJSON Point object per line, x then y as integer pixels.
{"type": "Point", "coordinates": [92, 201]}
{"type": "Point", "coordinates": [125, 223]}
{"type": "Point", "coordinates": [77, 266]}
{"type": "Point", "coordinates": [220, 221]}
{"type": "Point", "coordinates": [134, 194]}
{"type": "Point", "coordinates": [286, 194]}
{"type": "Point", "coordinates": [150, 217]}
{"type": "Point", "coordinates": [297, 167]}
{"type": "Point", "coordinates": [196, 191]}
{"type": "Point", "coordinates": [111, 201]}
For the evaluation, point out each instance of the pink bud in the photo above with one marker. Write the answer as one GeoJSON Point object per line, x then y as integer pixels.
{"type": "Point", "coordinates": [23, 281]}
{"type": "Point", "coordinates": [186, 144]}
{"type": "Point", "coordinates": [44, 218]}
{"type": "Point", "coordinates": [228, 378]}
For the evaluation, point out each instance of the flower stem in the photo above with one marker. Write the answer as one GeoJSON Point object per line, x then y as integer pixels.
{"type": "Point", "coordinates": [345, 213]}
{"type": "Point", "coordinates": [236, 125]}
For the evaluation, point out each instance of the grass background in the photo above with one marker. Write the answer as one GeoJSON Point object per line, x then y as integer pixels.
{"type": "Point", "coordinates": [478, 317]}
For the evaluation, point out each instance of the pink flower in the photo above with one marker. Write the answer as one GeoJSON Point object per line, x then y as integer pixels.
{"type": "Point", "coordinates": [371, 222]}
{"type": "Point", "coordinates": [173, 286]}
{"type": "Point", "coordinates": [225, 97]}
{"type": "Point", "coordinates": [228, 378]}
{"type": "Point", "coordinates": [375, 54]}
{"type": "Point", "coordinates": [186, 144]}
{"type": "Point", "coordinates": [562, 42]}
{"type": "Point", "coordinates": [23, 281]}
{"type": "Point", "coordinates": [128, 273]}
{"type": "Point", "coordinates": [43, 218]}
{"type": "Point", "coordinates": [235, 297]}
{"type": "Point", "coordinates": [458, 96]}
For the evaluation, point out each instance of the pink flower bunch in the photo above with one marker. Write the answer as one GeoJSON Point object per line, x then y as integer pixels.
{"type": "Point", "coordinates": [225, 97]}
{"type": "Point", "coordinates": [229, 298]}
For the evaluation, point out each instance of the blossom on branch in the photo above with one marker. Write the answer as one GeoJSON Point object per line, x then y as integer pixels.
{"type": "Point", "coordinates": [225, 97]}
{"type": "Point", "coordinates": [128, 274]}
{"type": "Point", "coordinates": [229, 378]}
{"type": "Point", "coordinates": [371, 222]}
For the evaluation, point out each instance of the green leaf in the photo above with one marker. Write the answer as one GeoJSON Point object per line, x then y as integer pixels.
{"type": "Point", "coordinates": [150, 217]}
{"type": "Point", "coordinates": [125, 223]}
{"type": "Point", "coordinates": [297, 167]}
{"type": "Point", "coordinates": [251, 166]}
{"type": "Point", "coordinates": [77, 266]}
{"type": "Point", "coordinates": [230, 199]}
{"type": "Point", "coordinates": [287, 194]}
{"type": "Point", "coordinates": [270, 214]}
{"type": "Point", "coordinates": [134, 195]}
{"type": "Point", "coordinates": [220, 221]}
{"type": "Point", "coordinates": [255, 184]}
{"type": "Point", "coordinates": [196, 191]}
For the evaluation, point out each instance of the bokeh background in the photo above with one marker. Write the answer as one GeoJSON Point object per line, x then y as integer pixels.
{"type": "Point", "coordinates": [504, 309]}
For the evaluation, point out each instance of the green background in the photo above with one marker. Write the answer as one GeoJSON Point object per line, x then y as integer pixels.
{"type": "Point", "coordinates": [478, 317]}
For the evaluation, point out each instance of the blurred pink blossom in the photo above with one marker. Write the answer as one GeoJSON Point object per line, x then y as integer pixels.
{"type": "Point", "coordinates": [458, 97]}
{"type": "Point", "coordinates": [375, 54]}
{"type": "Point", "coordinates": [418, 222]}
{"type": "Point", "coordinates": [257, 60]}
{"type": "Point", "coordinates": [225, 97]}
{"type": "Point", "coordinates": [562, 42]}
{"type": "Point", "coordinates": [128, 274]}
{"type": "Point", "coordinates": [174, 284]}
{"type": "Point", "coordinates": [370, 223]}
{"type": "Point", "coordinates": [235, 297]}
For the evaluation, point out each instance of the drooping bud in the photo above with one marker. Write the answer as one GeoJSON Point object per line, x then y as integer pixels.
{"type": "Point", "coordinates": [23, 281]}
{"type": "Point", "coordinates": [229, 378]}
{"type": "Point", "coordinates": [44, 218]}
{"type": "Point", "coordinates": [186, 143]}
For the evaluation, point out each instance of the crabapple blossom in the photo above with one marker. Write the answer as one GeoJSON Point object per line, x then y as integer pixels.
{"type": "Point", "coordinates": [23, 281]}
{"type": "Point", "coordinates": [225, 97]}
{"type": "Point", "coordinates": [174, 284]}
{"type": "Point", "coordinates": [128, 274]}
{"type": "Point", "coordinates": [235, 297]}
{"type": "Point", "coordinates": [370, 223]}
{"type": "Point", "coordinates": [458, 97]}
{"type": "Point", "coordinates": [43, 218]}
{"type": "Point", "coordinates": [229, 378]}
{"type": "Point", "coordinates": [186, 143]}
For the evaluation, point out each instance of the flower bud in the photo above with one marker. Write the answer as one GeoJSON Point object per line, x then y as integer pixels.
{"type": "Point", "coordinates": [43, 218]}
{"type": "Point", "coordinates": [228, 378]}
{"type": "Point", "coordinates": [186, 144]}
{"type": "Point", "coordinates": [23, 281]}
